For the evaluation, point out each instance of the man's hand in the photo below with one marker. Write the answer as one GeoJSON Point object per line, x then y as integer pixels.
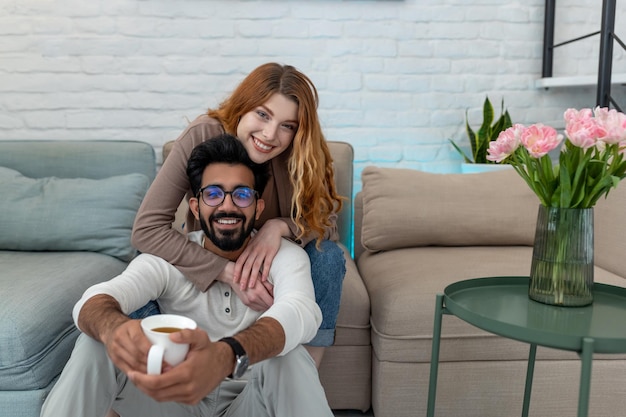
{"type": "Point", "coordinates": [102, 319]}
{"type": "Point", "coordinates": [128, 347]}
{"type": "Point", "coordinates": [206, 366]}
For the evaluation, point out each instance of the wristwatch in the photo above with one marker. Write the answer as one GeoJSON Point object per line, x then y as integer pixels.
{"type": "Point", "coordinates": [241, 358]}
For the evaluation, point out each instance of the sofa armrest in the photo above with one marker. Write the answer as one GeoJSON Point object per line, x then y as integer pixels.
{"type": "Point", "coordinates": [358, 223]}
{"type": "Point", "coordinates": [343, 157]}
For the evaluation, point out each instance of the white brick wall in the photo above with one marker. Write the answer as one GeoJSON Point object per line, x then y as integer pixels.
{"type": "Point", "coordinates": [395, 77]}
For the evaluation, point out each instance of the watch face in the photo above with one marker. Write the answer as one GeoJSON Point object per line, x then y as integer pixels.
{"type": "Point", "coordinates": [241, 365]}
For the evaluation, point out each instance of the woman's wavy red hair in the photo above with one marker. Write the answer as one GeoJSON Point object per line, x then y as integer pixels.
{"type": "Point", "coordinates": [311, 171]}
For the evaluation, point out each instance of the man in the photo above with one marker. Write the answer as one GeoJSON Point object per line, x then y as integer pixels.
{"type": "Point", "coordinates": [283, 381]}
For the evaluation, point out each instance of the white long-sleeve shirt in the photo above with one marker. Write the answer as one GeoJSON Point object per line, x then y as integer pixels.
{"type": "Point", "coordinates": [218, 310]}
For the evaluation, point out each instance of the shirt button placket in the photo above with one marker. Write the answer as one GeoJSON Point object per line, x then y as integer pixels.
{"type": "Point", "coordinates": [227, 302]}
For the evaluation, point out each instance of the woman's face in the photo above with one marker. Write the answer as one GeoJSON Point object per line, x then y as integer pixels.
{"type": "Point", "coordinates": [267, 130]}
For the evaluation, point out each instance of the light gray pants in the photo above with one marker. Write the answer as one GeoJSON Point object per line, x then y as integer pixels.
{"type": "Point", "coordinates": [90, 385]}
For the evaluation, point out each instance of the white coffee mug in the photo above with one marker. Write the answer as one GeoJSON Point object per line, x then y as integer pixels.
{"type": "Point", "coordinates": [157, 329]}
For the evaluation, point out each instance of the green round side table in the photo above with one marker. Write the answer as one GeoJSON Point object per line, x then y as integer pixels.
{"type": "Point", "coordinates": [500, 305]}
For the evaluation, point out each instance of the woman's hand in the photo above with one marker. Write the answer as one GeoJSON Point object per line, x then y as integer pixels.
{"type": "Point", "coordinates": [258, 298]}
{"type": "Point", "coordinates": [255, 261]}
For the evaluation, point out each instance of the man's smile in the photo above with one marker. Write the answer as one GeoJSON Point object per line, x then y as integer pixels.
{"type": "Point", "coordinates": [227, 221]}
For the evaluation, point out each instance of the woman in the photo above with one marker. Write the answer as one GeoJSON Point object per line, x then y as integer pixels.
{"type": "Point", "coordinates": [274, 113]}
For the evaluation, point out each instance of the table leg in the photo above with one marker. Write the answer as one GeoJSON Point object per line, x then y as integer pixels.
{"type": "Point", "coordinates": [434, 358]}
{"type": "Point", "coordinates": [585, 377]}
{"type": "Point", "coordinates": [530, 370]}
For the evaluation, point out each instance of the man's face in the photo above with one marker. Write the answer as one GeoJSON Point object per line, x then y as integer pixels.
{"type": "Point", "coordinates": [227, 226]}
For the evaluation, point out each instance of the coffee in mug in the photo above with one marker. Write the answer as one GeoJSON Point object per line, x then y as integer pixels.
{"type": "Point", "coordinates": [167, 329]}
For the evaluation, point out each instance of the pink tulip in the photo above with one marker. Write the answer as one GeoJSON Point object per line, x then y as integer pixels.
{"type": "Point", "coordinates": [539, 139]}
{"type": "Point", "coordinates": [581, 128]}
{"type": "Point", "coordinates": [508, 141]}
{"type": "Point", "coordinates": [603, 130]}
{"type": "Point", "coordinates": [573, 114]}
{"type": "Point", "coordinates": [611, 125]}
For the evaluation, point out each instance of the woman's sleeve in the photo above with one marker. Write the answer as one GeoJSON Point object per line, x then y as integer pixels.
{"type": "Point", "coordinates": [152, 230]}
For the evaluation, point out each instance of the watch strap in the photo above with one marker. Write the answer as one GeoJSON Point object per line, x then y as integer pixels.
{"type": "Point", "coordinates": [234, 344]}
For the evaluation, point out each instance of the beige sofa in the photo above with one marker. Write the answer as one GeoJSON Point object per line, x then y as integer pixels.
{"type": "Point", "coordinates": [416, 233]}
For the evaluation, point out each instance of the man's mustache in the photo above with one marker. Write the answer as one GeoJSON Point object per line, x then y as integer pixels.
{"type": "Point", "coordinates": [222, 215]}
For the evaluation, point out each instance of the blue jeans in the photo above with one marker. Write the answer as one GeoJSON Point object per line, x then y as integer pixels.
{"type": "Point", "coordinates": [149, 309]}
{"type": "Point", "coordinates": [328, 268]}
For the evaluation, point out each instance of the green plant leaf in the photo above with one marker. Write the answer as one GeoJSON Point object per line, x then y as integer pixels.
{"type": "Point", "coordinates": [460, 151]}
{"type": "Point", "coordinates": [488, 115]}
{"type": "Point", "coordinates": [471, 136]}
{"type": "Point", "coordinates": [487, 132]}
{"type": "Point", "coordinates": [503, 123]}
{"type": "Point", "coordinates": [484, 133]}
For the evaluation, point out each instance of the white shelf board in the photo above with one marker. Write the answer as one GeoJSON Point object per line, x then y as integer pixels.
{"type": "Point", "coordinates": [577, 81]}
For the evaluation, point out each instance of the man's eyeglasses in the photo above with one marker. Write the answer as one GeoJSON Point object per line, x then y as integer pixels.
{"type": "Point", "coordinates": [214, 195]}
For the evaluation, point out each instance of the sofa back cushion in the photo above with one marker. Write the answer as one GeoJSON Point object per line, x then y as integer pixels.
{"type": "Point", "coordinates": [78, 158]}
{"type": "Point", "coordinates": [72, 196]}
{"type": "Point", "coordinates": [343, 156]}
{"type": "Point", "coordinates": [407, 208]}
{"type": "Point", "coordinates": [69, 214]}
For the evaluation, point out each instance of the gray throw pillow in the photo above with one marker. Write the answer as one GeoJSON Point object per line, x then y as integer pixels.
{"type": "Point", "coordinates": [69, 214]}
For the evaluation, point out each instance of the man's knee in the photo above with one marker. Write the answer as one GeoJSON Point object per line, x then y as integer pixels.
{"type": "Point", "coordinates": [297, 362]}
{"type": "Point", "coordinates": [89, 354]}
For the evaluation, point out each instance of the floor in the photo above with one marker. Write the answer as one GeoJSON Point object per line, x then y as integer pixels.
{"type": "Point", "coordinates": [353, 413]}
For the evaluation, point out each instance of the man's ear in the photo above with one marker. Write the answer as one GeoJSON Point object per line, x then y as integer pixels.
{"type": "Point", "coordinates": [260, 206]}
{"type": "Point", "coordinates": [193, 206]}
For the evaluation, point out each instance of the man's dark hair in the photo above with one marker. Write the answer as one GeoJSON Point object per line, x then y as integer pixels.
{"type": "Point", "coordinates": [226, 149]}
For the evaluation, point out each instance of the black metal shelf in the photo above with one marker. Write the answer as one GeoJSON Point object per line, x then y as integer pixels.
{"type": "Point", "coordinates": [607, 39]}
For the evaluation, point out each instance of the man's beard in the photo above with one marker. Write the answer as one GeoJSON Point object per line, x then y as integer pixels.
{"type": "Point", "coordinates": [230, 240]}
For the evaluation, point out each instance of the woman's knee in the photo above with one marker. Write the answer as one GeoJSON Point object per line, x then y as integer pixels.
{"type": "Point", "coordinates": [328, 268]}
{"type": "Point", "coordinates": [327, 261]}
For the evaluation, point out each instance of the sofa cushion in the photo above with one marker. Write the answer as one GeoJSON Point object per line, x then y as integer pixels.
{"type": "Point", "coordinates": [69, 214]}
{"type": "Point", "coordinates": [353, 320]}
{"type": "Point", "coordinates": [610, 229]}
{"type": "Point", "coordinates": [39, 290]}
{"type": "Point", "coordinates": [94, 159]}
{"type": "Point", "coordinates": [403, 285]}
{"type": "Point", "coordinates": [407, 208]}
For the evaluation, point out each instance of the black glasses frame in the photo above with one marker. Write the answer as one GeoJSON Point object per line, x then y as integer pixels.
{"type": "Point", "coordinates": [225, 193]}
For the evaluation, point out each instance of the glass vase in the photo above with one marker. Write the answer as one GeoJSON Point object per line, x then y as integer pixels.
{"type": "Point", "coordinates": [562, 266]}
